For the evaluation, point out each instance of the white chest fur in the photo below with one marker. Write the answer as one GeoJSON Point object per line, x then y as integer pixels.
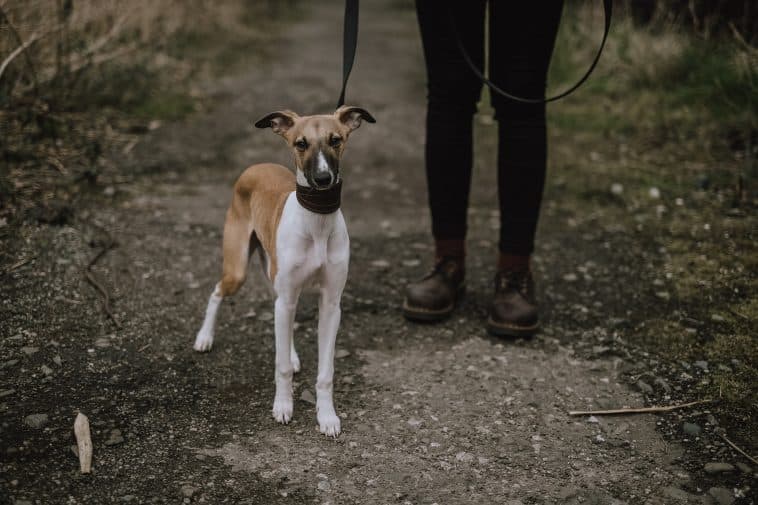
{"type": "Point", "coordinates": [310, 247]}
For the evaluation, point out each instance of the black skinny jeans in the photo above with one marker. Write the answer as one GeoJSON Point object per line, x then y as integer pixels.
{"type": "Point", "coordinates": [521, 39]}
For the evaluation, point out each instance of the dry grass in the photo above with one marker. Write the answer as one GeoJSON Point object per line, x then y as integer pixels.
{"type": "Point", "coordinates": [62, 38]}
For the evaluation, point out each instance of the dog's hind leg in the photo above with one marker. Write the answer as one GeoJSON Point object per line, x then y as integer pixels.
{"type": "Point", "coordinates": [238, 243]}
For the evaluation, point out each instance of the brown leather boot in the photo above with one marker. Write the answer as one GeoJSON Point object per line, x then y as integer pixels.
{"type": "Point", "coordinates": [514, 309]}
{"type": "Point", "coordinates": [434, 297]}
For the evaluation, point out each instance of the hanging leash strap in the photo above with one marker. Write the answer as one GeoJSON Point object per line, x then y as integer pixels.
{"type": "Point", "coordinates": [607, 9]}
{"type": "Point", "coordinates": [349, 43]}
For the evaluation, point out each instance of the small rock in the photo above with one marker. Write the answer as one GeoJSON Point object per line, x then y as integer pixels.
{"type": "Point", "coordinates": [57, 360]}
{"type": "Point", "coordinates": [644, 387]}
{"type": "Point", "coordinates": [324, 486]}
{"type": "Point", "coordinates": [414, 422]}
{"type": "Point", "coordinates": [617, 188]}
{"type": "Point", "coordinates": [663, 384]}
{"type": "Point", "coordinates": [411, 263]}
{"type": "Point", "coordinates": [102, 342]}
{"type": "Point", "coordinates": [464, 457]}
{"type": "Point", "coordinates": [722, 495]}
{"type": "Point", "coordinates": [266, 316]}
{"type": "Point", "coordinates": [109, 191]}
{"type": "Point", "coordinates": [188, 491]}
{"type": "Point", "coordinates": [46, 370]}
{"type": "Point", "coordinates": [115, 438]}
{"type": "Point", "coordinates": [380, 263]}
{"type": "Point", "coordinates": [703, 365]}
{"type": "Point", "coordinates": [9, 363]}
{"type": "Point", "coordinates": [307, 396]}
{"type": "Point", "coordinates": [677, 494]}
{"type": "Point", "coordinates": [341, 353]}
{"type": "Point", "coordinates": [654, 193]}
{"type": "Point", "coordinates": [570, 277]}
{"type": "Point", "coordinates": [593, 419]}
{"type": "Point", "coordinates": [36, 421]}
{"type": "Point", "coordinates": [717, 318]}
{"type": "Point", "coordinates": [128, 498]}
{"type": "Point", "coordinates": [744, 468]}
{"type": "Point", "coordinates": [718, 467]}
{"type": "Point", "coordinates": [29, 350]}
{"type": "Point", "coordinates": [691, 429]}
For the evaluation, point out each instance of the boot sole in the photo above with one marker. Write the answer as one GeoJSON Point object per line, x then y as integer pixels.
{"type": "Point", "coordinates": [510, 330]}
{"type": "Point", "coordinates": [420, 314]}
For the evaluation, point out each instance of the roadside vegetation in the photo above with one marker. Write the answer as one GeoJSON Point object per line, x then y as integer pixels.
{"type": "Point", "coordinates": [662, 144]}
{"type": "Point", "coordinates": [81, 79]}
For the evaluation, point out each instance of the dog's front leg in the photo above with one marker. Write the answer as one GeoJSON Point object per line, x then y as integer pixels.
{"type": "Point", "coordinates": [329, 313]}
{"type": "Point", "coordinates": [283, 322]}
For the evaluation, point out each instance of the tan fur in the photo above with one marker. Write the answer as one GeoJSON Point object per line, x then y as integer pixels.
{"type": "Point", "coordinates": [253, 219]}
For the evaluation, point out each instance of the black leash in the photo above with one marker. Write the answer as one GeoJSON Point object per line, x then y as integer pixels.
{"type": "Point", "coordinates": [349, 43]}
{"type": "Point", "coordinates": [607, 9]}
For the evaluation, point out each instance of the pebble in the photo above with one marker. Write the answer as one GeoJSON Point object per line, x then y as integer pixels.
{"type": "Point", "coordinates": [307, 396]}
{"type": "Point", "coordinates": [722, 495]}
{"type": "Point", "coordinates": [654, 193]}
{"type": "Point", "coordinates": [188, 491]}
{"type": "Point", "coordinates": [115, 438]}
{"type": "Point", "coordinates": [718, 467]}
{"type": "Point", "coordinates": [29, 350]}
{"type": "Point", "coordinates": [46, 370]}
{"type": "Point", "coordinates": [341, 353]}
{"type": "Point", "coordinates": [9, 363]}
{"type": "Point", "coordinates": [36, 421]}
{"type": "Point", "coordinates": [703, 365]}
{"type": "Point", "coordinates": [266, 316]}
{"type": "Point", "coordinates": [570, 277]}
{"type": "Point", "coordinates": [57, 360]}
{"type": "Point", "coordinates": [692, 429]}
{"type": "Point", "coordinates": [744, 468]}
{"type": "Point", "coordinates": [464, 457]}
{"type": "Point", "coordinates": [380, 264]}
{"type": "Point", "coordinates": [663, 384]}
{"type": "Point", "coordinates": [414, 422]}
{"type": "Point", "coordinates": [323, 485]}
{"type": "Point", "coordinates": [717, 318]}
{"type": "Point", "coordinates": [644, 387]}
{"type": "Point", "coordinates": [617, 188]}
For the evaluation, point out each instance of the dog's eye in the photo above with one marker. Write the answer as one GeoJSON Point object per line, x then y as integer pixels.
{"type": "Point", "coordinates": [335, 141]}
{"type": "Point", "coordinates": [301, 144]}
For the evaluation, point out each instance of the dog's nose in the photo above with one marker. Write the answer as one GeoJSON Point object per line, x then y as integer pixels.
{"type": "Point", "coordinates": [322, 179]}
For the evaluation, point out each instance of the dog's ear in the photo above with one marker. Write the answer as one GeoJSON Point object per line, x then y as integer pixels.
{"type": "Point", "coordinates": [279, 121]}
{"type": "Point", "coordinates": [353, 116]}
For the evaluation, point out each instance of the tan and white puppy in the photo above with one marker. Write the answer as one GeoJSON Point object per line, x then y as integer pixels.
{"type": "Point", "coordinates": [295, 223]}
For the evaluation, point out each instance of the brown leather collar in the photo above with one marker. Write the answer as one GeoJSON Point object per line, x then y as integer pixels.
{"type": "Point", "coordinates": [320, 201]}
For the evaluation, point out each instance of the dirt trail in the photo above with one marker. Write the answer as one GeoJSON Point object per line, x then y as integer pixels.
{"type": "Point", "coordinates": [431, 414]}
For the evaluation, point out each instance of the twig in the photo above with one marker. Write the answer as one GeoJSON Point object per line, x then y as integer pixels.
{"type": "Point", "coordinates": [89, 276]}
{"type": "Point", "coordinates": [20, 49]}
{"type": "Point", "coordinates": [19, 40]}
{"type": "Point", "coordinates": [83, 442]}
{"type": "Point", "coordinates": [641, 410]}
{"type": "Point", "coordinates": [18, 264]}
{"type": "Point", "coordinates": [748, 456]}
{"type": "Point", "coordinates": [143, 347]}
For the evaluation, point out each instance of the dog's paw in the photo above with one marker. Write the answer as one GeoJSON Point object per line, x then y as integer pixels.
{"type": "Point", "coordinates": [203, 342]}
{"type": "Point", "coordinates": [295, 360]}
{"type": "Point", "coordinates": [282, 410]}
{"type": "Point", "coordinates": [329, 423]}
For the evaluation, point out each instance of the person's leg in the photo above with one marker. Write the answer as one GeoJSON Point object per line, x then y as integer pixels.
{"type": "Point", "coordinates": [522, 36]}
{"type": "Point", "coordinates": [452, 93]}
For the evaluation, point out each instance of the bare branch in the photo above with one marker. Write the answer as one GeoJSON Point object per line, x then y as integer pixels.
{"type": "Point", "coordinates": [641, 410]}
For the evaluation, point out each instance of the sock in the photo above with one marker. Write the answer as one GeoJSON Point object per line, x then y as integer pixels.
{"type": "Point", "coordinates": [511, 262]}
{"type": "Point", "coordinates": [448, 248]}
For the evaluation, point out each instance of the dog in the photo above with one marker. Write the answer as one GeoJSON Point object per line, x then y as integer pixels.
{"type": "Point", "coordinates": [295, 223]}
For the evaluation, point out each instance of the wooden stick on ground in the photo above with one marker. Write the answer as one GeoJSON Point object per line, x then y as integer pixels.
{"type": "Point", "coordinates": [83, 442]}
{"type": "Point", "coordinates": [748, 456]}
{"type": "Point", "coordinates": [641, 410]}
{"type": "Point", "coordinates": [89, 276]}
